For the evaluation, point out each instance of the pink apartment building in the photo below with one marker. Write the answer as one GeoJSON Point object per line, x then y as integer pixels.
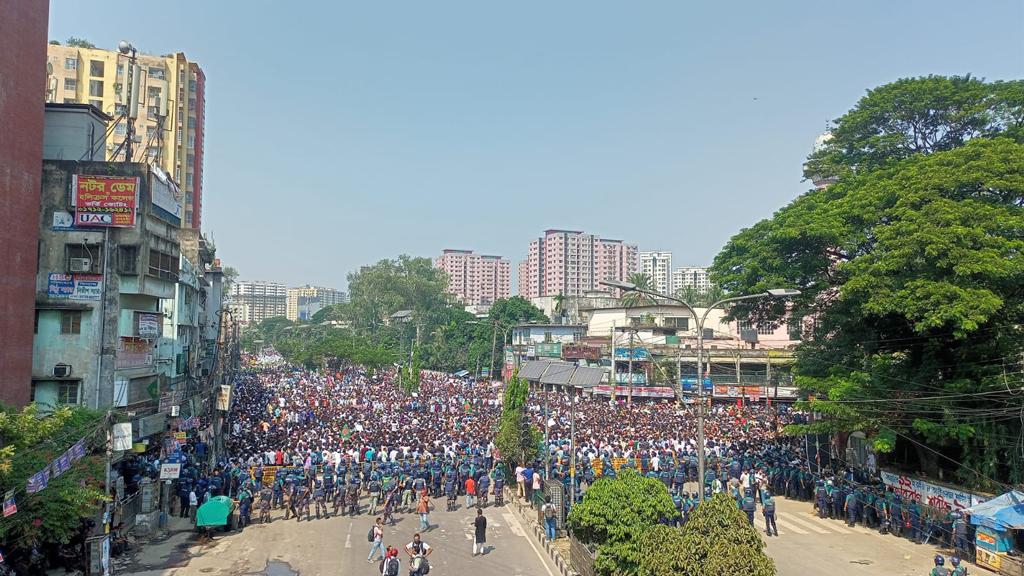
{"type": "Point", "coordinates": [476, 279]}
{"type": "Point", "coordinates": [571, 262]}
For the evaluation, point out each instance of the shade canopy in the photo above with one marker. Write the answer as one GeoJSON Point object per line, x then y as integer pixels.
{"type": "Point", "coordinates": [215, 512]}
{"type": "Point", "coordinates": [1004, 512]}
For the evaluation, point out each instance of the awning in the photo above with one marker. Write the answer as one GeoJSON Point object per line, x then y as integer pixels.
{"type": "Point", "coordinates": [558, 373]}
{"type": "Point", "coordinates": [462, 373]}
{"type": "Point", "coordinates": [1004, 512]}
{"type": "Point", "coordinates": [533, 369]}
{"type": "Point", "coordinates": [586, 377]}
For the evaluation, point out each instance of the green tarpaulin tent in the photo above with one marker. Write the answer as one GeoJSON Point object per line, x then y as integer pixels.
{"type": "Point", "coordinates": [216, 512]}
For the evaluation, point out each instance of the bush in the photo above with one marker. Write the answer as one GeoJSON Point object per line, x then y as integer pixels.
{"type": "Point", "coordinates": [718, 539]}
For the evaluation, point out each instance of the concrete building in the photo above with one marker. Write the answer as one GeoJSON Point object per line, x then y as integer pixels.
{"type": "Point", "coordinates": [171, 108]}
{"type": "Point", "coordinates": [22, 83]}
{"type": "Point", "coordinates": [99, 288]}
{"type": "Point", "coordinates": [658, 266]}
{"type": "Point", "coordinates": [691, 277]}
{"type": "Point", "coordinates": [476, 279]}
{"type": "Point", "coordinates": [255, 301]}
{"type": "Point", "coordinates": [305, 301]}
{"type": "Point", "coordinates": [571, 262]}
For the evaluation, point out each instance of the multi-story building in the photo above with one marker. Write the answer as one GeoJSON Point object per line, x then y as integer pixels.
{"type": "Point", "coordinates": [169, 110]}
{"type": "Point", "coordinates": [255, 301]}
{"type": "Point", "coordinates": [691, 277]}
{"type": "Point", "coordinates": [570, 262]}
{"type": "Point", "coordinates": [22, 79]}
{"type": "Point", "coordinates": [657, 265]}
{"type": "Point", "coordinates": [476, 279]}
{"type": "Point", "coordinates": [305, 301]}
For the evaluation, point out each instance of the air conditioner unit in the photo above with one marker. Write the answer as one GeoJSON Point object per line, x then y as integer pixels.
{"type": "Point", "coordinates": [81, 265]}
{"type": "Point", "coordinates": [61, 371]}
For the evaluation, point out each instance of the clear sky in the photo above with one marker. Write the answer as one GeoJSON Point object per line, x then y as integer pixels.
{"type": "Point", "coordinates": [340, 133]}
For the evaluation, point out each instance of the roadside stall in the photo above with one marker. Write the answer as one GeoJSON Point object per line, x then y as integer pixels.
{"type": "Point", "coordinates": [1000, 535]}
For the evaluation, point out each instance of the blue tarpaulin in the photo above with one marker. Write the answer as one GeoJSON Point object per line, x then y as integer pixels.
{"type": "Point", "coordinates": [1004, 512]}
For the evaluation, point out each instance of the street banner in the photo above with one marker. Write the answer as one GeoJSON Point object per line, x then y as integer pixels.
{"type": "Point", "coordinates": [10, 506]}
{"type": "Point", "coordinates": [74, 286]}
{"type": "Point", "coordinates": [122, 436]}
{"type": "Point", "coordinates": [105, 201]}
{"type": "Point", "coordinates": [932, 495]}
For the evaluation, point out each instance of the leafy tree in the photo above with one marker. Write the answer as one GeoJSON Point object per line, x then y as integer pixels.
{"type": "Point", "coordinates": [661, 552]}
{"type": "Point", "coordinates": [718, 539]}
{"type": "Point", "coordinates": [230, 277]}
{"type": "Point", "coordinates": [31, 443]}
{"type": "Point", "coordinates": [633, 299]}
{"type": "Point", "coordinates": [516, 439]}
{"type": "Point", "coordinates": [378, 291]}
{"type": "Point", "coordinates": [334, 313]}
{"type": "Point", "coordinates": [54, 43]}
{"type": "Point", "coordinates": [76, 42]}
{"type": "Point", "coordinates": [910, 267]}
{"type": "Point", "coordinates": [615, 514]}
{"type": "Point", "coordinates": [699, 298]}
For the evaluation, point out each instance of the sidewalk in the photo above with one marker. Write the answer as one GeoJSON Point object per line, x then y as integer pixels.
{"type": "Point", "coordinates": [558, 550]}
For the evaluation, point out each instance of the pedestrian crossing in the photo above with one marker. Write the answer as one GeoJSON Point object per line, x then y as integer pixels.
{"type": "Point", "coordinates": [807, 524]}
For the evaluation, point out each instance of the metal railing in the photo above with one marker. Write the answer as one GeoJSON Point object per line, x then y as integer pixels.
{"type": "Point", "coordinates": [130, 508]}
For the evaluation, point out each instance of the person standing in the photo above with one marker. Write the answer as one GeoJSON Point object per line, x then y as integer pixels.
{"type": "Point", "coordinates": [520, 482]}
{"type": "Point", "coordinates": [193, 505]}
{"type": "Point", "coordinates": [550, 522]}
{"type": "Point", "coordinates": [470, 492]}
{"type": "Point", "coordinates": [423, 509]}
{"type": "Point", "coordinates": [377, 538]}
{"type": "Point", "coordinates": [768, 509]}
{"type": "Point", "coordinates": [418, 551]}
{"type": "Point", "coordinates": [480, 530]}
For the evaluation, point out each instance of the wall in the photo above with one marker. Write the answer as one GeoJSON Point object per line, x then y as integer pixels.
{"type": "Point", "coordinates": [23, 27]}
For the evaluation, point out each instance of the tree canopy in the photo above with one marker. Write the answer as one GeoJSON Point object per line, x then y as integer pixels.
{"type": "Point", "coordinates": [911, 267]}
{"type": "Point", "coordinates": [718, 539]}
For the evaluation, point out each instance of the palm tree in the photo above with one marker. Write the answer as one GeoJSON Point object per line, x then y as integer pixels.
{"type": "Point", "coordinates": [634, 298]}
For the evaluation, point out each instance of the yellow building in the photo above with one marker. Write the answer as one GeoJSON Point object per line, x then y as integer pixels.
{"type": "Point", "coordinates": [307, 300]}
{"type": "Point", "coordinates": [170, 119]}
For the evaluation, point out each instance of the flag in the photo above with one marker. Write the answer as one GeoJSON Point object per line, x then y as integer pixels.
{"type": "Point", "coordinates": [346, 432]}
{"type": "Point", "coordinates": [10, 506]}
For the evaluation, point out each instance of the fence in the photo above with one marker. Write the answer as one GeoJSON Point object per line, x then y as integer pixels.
{"type": "Point", "coordinates": [130, 509]}
{"type": "Point", "coordinates": [580, 557]}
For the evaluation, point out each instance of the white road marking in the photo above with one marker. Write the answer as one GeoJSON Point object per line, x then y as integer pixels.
{"type": "Point", "coordinates": [806, 524]}
{"type": "Point", "coordinates": [834, 525]}
{"type": "Point", "coordinates": [782, 522]}
{"type": "Point", "coordinates": [348, 537]}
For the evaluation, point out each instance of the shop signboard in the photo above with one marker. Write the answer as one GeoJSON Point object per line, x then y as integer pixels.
{"type": "Point", "coordinates": [75, 286]}
{"type": "Point", "coordinates": [581, 352]}
{"type": "Point", "coordinates": [133, 353]}
{"type": "Point", "coordinates": [737, 391]}
{"type": "Point", "coordinates": [170, 471]}
{"type": "Point", "coordinates": [105, 201]}
{"type": "Point", "coordinates": [641, 391]}
{"type": "Point", "coordinates": [690, 384]}
{"type": "Point", "coordinates": [638, 354]}
{"type": "Point", "coordinates": [147, 325]}
{"type": "Point", "coordinates": [549, 349]}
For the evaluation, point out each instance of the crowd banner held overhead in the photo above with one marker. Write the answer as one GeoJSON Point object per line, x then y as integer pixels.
{"type": "Point", "coordinates": [105, 201]}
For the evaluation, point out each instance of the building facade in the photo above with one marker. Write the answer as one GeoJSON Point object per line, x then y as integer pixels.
{"type": "Point", "coordinates": [305, 301]}
{"type": "Point", "coordinates": [255, 301]}
{"type": "Point", "coordinates": [571, 262]}
{"type": "Point", "coordinates": [657, 265]}
{"type": "Point", "coordinates": [169, 108]}
{"type": "Point", "coordinates": [693, 277]}
{"type": "Point", "coordinates": [22, 82]}
{"type": "Point", "coordinates": [476, 279]}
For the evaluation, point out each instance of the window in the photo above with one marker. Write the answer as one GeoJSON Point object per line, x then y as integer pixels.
{"type": "Point", "coordinates": [153, 92]}
{"type": "Point", "coordinates": [191, 85]}
{"type": "Point", "coordinates": [179, 137]}
{"type": "Point", "coordinates": [191, 103]}
{"type": "Point", "coordinates": [70, 84]}
{"type": "Point", "coordinates": [681, 323]}
{"type": "Point", "coordinates": [96, 68]}
{"type": "Point", "coordinates": [163, 265]}
{"type": "Point", "coordinates": [97, 103]}
{"type": "Point", "coordinates": [120, 70]}
{"type": "Point", "coordinates": [68, 392]}
{"type": "Point", "coordinates": [96, 88]}
{"type": "Point", "coordinates": [118, 87]}
{"type": "Point", "coordinates": [127, 259]}
{"type": "Point", "coordinates": [93, 253]}
{"type": "Point", "coordinates": [120, 109]}
{"type": "Point", "coordinates": [71, 63]}
{"type": "Point", "coordinates": [190, 160]}
{"type": "Point", "coordinates": [150, 131]}
{"type": "Point", "coordinates": [71, 322]}
{"type": "Point", "coordinates": [188, 179]}
{"type": "Point", "coordinates": [155, 72]}
{"type": "Point", "coordinates": [191, 122]}
{"type": "Point", "coordinates": [188, 217]}
{"type": "Point", "coordinates": [121, 129]}
{"type": "Point", "coordinates": [763, 330]}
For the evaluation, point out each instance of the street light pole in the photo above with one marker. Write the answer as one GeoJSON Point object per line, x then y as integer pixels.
{"type": "Point", "coordinates": [699, 322]}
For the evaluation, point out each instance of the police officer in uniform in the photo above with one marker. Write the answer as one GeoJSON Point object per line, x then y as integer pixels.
{"type": "Point", "coordinates": [320, 500]}
{"type": "Point", "coordinates": [749, 506]}
{"type": "Point", "coordinates": [768, 509]}
{"type": "Point", "coordinates": [266, 495]}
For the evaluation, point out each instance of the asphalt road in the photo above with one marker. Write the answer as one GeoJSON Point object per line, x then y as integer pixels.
{"type": "Point", "coordinates": [338, 546]}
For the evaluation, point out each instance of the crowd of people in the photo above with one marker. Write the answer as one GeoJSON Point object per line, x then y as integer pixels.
{"type": "Point", "coordinates": [350, 441]}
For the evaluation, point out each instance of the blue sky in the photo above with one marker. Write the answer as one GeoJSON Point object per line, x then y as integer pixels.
{"type": "Point", "coordinates": [340, 133]}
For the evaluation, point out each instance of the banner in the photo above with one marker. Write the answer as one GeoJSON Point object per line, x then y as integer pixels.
{"type": "Point", "coordinates": [148, 325]}
{"type": "Point", "coordinates": [122, 436]}
{"type": "Point", "coordinates": [74, 286]}
{"type": "Point", "coordinates": [170, 471]}
{"type": "Point", "coordinates": [133, 353]}
{"type": "Point", "coordinates": [932, 495]}
{"type": "Point", "coordinates": [10, 506]}
{"type": "Point", "coordinates": [734, 391]}
{"type": "Point", "coordinates": [107, 201]}
{"type": "Point", "coordinates": [642, 391]}
{"type": "Point", "coordinates": [224, 398]}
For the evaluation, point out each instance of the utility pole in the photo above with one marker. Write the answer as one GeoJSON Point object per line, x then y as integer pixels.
{"type": "Point", "coordinates": [133, 77]}
{"type": "Point", "coordinates": [572, 444]}
{"type": "Point", "coordinates": [614, 377]}
{"type": "Point", "coordinates": [700, 410]}
{"type": "Point", "coordinates": [494, 342]}
{"type": "Point", "coordinates": [629, 399]}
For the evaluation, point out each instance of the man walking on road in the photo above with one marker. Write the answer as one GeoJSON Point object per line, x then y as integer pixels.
{"type": "Point", "coordinates": [768, 509]}
{"type": "Point", "coordinates": [480, 529]}
{"type": "Point", "coordinates": [423, 509]}
{"type": "Point", "coordinates": [377, 537]}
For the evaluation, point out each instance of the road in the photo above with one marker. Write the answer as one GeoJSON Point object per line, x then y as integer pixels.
{"type": "Point", "coordinates": [810, 545]}
{"type": "Point", "coordinates": [338, 546]}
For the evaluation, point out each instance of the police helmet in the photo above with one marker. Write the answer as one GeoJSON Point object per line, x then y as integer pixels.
{"type": "Point", "coordinates": [939, 560]}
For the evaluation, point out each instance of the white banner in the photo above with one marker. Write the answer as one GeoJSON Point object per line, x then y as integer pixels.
{"type": "Point", "coordinates": [122, 436]}
{"type": "Point", "coordinates": [932, 495]}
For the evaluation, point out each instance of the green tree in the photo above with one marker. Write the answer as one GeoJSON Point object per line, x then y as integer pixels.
{"type": "Point", "coordinates": [633, 299]}
{"type": "Point", "coordinates": [661, 552]}
{"type": "Point", "coordinates": [31, 443]}
{"type": "Point", "coordinates": [76, 42]}
{"type": "Point", "coordinates": [718, 539]}
{"type": "Point", "coordinates": [615, 514]}
{"type": "Point", "coordinates": [516, 438]}
{"type": "Point", "coordinates": [910, 267]}
{"type": "Point", "coordinates": [378, 291]}
{"type": "Point", "coordinates": [230, 277]}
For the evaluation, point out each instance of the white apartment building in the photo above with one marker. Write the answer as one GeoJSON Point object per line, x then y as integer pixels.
{"type": "Point", "coordinates": [691, 276]}
{"type": "Point", "coordinates": [657, 265]}
{"type": "Point", "coordinates": [476, 279]}
{"type": "Point", "coordinates": [305, 301]}
{"type": "Point", "coordinates": [258, 300]}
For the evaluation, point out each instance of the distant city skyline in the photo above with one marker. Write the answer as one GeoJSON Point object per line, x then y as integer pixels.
{"type": "Point", "coordinates": [359, 132]}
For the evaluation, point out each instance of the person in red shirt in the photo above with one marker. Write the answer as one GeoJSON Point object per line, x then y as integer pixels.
{"type": "Point", "coordinates": [470, 492]}
{"type": "Point", "coordinates": [279, 457]}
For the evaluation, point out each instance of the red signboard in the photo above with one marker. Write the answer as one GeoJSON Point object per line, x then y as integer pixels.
{"type": "Point", "coordinates": [576, 352]}
{"type": "Point", "coordinates": [108, 201]}
{"type": "Point", "coordinates": [734, 391]}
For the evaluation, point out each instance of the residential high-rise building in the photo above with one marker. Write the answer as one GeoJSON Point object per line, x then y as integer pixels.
{"type": "Point", "coordinates": [571, 262]}
{"type": "Point", "coordinates": [22, 80]}
{"type": "Point", "coordinates": [171, 112]}
{"type": "Point", "coordinates": [305, 301]}
{"type": "Point", "coordinates": [258, 300]}
{"type": "Point", "coordinates": [691, 276]}
{"type": "Point", "coordinates": [658, 266]}
{"type": "Point", "coordinates": [476, 279]}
